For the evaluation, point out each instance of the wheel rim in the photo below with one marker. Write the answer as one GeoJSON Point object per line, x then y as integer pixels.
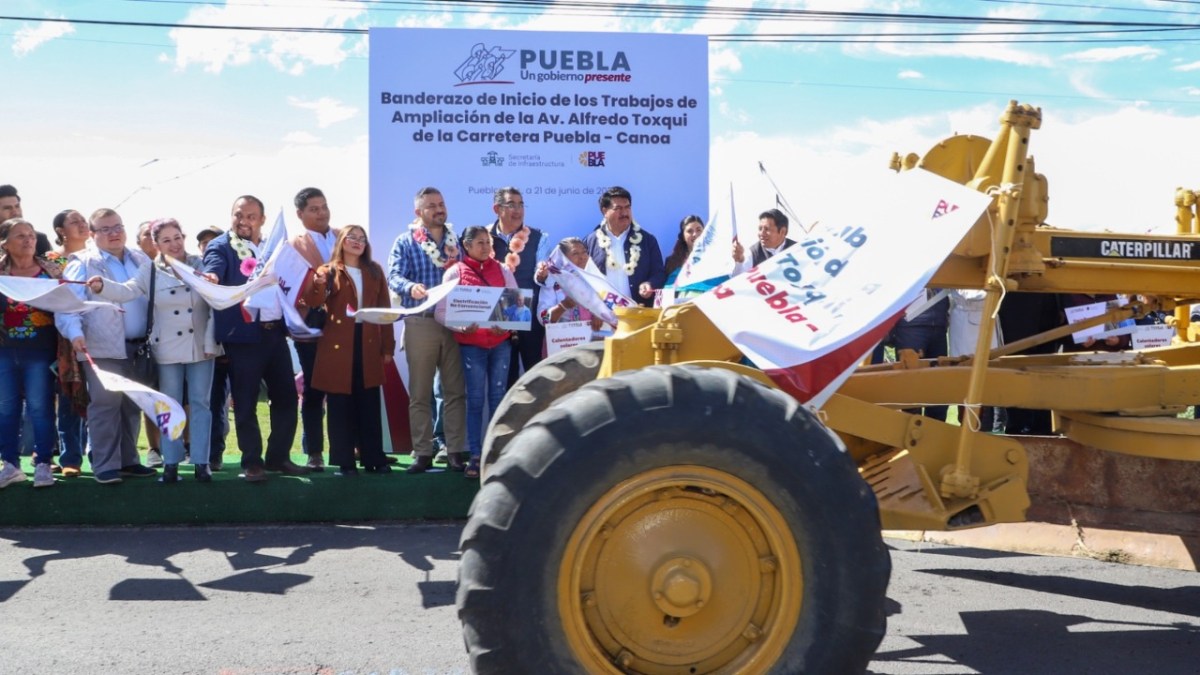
{"type": "Point", "coordinates": [682, 569]}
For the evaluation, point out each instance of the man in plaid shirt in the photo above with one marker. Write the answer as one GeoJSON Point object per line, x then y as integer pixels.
{"type": "Point", "coordinates": [418, 261]}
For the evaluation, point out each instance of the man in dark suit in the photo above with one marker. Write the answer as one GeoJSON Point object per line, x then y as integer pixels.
{"type": "Point", "coordinates": [772, 236]}
{"type": "Point", "coordinates": [628, 255]}
{"type": "Point", "coordinates": [257, 349]}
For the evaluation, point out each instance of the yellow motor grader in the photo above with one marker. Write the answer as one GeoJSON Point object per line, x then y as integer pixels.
{"type": "Point", "coordinates": [652, 504]}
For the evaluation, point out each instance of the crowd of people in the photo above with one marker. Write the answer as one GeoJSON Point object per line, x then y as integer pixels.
{"type": "Point", "coordinates": [54, 406]}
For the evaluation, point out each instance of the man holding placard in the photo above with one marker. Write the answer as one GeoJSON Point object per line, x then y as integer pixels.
{"type": "Point", "coordinates": [418, 260]}
{"type": "Point", "coordinates": [628, 255]}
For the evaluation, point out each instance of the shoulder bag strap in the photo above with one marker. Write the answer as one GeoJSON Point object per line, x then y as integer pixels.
{"type": "Point", "coordinates": [150, 307]}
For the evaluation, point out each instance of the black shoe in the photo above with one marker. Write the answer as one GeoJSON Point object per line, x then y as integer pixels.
{"type": "Point", "coordinates": [316, 463]}
{"type": "Point", "coordinates": [170, 474]}
{"type": "Point", "coordinates": [455, 461]}
{"type": "Point", "coordinates": [138, 470]}
{"type": "Point", "coordinates": [203, 474]}
{"type": "Point", "coordinates": [346, 473]}
{"type": "Point", "coordinates": [382, 468]}
{"type": "Point", "coordinates": [215, 466]}
{"type": "Point", "coordinates": [420, 465]}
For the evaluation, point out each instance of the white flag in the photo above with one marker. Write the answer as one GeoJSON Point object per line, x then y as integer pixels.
{"type": "Point", "coordinates": [712, 255]}
{"type": "Point", "coordinates": [588, 287]}
{"type": "Point", "coordinates": [166, 412]}
{"type": "Point", "coordinates": [48, 295]}
{"type": "Point", "coordinates": [380, 315]}
{"type": "Point", "coordinates": [216, 295]}
{"type": "Point", "coordinates": [809, 314]}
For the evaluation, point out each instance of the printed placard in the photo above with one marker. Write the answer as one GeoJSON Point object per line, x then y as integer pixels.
{"type": "Point", "coordinates": [489, 307]}
{"type": "Point", "coordinates": [1157, 335]}
{"type": "Point", "coordinates": [560, 336]}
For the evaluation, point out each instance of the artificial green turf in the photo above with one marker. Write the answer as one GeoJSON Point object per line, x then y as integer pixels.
{"type": "Point", "coordinates": [317, 497]}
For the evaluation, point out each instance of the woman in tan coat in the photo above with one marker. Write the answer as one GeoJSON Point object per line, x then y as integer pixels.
{"type": "Point", "coordinates": [351, 355]}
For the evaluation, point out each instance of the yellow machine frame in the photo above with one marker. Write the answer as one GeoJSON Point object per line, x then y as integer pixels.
{"type": "Point", "coordinates": [931, 475]}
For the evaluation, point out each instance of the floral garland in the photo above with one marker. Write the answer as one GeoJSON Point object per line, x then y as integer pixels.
{"type": "Point", "coordinates": [635, 251]}
{"type": "Point", "coordinates": [249, 263]}
{"type": "Point", "coordinates": [449, 242]}
{"type": "Point", "coordinates": [515, 246]}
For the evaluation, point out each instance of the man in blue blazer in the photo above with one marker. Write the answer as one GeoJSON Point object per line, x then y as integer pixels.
{"type": "Point", "coordinates": [257, 349]}
{"type": "Point", "coordinates": [626, 253]}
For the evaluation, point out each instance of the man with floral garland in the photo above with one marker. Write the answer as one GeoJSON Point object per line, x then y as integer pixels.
{"type": "Point", "coordinates": [522, 249]}
{"type": "Point", "coordinates": [627, 254]}
{"type": "Point", "coordinates": [417, 262]}
{"type": "Point", "coordinates": [257, 349]}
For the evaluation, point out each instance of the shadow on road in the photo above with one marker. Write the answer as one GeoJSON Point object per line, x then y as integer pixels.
{"type": "Point", "coordinates": [252, 570]}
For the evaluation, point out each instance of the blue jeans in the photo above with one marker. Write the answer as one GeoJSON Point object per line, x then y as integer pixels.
{"type": "Point", "coordinates": [197, 377]}
{"type": "Point", "coordinates": [486, 375]}
{"type": "Point", "coordinates": [25, 374]}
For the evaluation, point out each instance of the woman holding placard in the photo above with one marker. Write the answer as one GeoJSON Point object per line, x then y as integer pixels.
{"type": "Point", "coordinates": [485, 352]}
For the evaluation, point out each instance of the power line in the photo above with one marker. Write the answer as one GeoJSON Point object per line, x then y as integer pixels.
{"type": "Point", "coordinates": [1103, 29]}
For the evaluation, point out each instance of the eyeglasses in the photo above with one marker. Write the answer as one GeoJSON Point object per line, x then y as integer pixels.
{"type": "Point", "coordinates": [513, 205]}
{"type": "Point", "coordinates": [110, 230]}
{"type": "Point", "coordinates": [357, 240]}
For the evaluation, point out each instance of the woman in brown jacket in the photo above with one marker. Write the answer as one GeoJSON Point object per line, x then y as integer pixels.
{"type": "Point", "coordinates": [351, 355]}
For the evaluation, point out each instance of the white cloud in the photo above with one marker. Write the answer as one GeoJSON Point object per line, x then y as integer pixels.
{"type": "Point", "coordinates": [300, 138]}
{"type": "Point", "coordinates": [821, 172]}
{"type": "Point", "coordinates": [910, 75]}
{"type": "Point", "coordinates": [292, 53]}
{"type": "Point", "coordinates": [1192, 91]}
{"type": "Point", "coordinates": [329, 111]}
{"type": "Point", "coordinates": [722, 61]}
{"type": "Point", "coordinates": [28, 38]}
{"type": "Point", "coordinates": [1082, 83]}
{"type": "Point", "coordinates": [1186, 67]}
{"type": "Point", "coordinates": [1109, 54]}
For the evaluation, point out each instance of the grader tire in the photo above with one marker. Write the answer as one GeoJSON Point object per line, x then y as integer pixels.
{"type": "Point", "coordinates": [549, 380]}
{"type": "Point", "coordinates": [673, 520]}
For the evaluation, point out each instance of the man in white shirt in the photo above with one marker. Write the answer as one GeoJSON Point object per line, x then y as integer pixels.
{"type": "Point", "coordinates": [628, 255]}
{"type": "Point", "coordinates": [315, 244]}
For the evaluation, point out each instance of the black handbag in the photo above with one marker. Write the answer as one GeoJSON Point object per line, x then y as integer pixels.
{"type": "Point", "coordinates": [317, 316]}
{"type": "Point", "coordinates": [143, 367]}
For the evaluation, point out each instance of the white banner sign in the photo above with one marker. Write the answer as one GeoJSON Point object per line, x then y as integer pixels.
{"type": "Point", "coordinates": [561, 116]}
{"type": "Point", "coordinates": [489, 307]}
{"type": "Point", "coordinates": [809, 314]}
{"type": "Point", "coordinates": [216, 295]}
{"type": "Point", "coordinates": [1157, 335]}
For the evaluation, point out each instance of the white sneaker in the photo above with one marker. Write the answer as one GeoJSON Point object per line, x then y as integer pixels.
{"type": "Point", "coordinates": [43, 476]}
{"type": "Point", "coordinates": [154, 458]}
{"type": "Point", "coordinates": [9, 475]}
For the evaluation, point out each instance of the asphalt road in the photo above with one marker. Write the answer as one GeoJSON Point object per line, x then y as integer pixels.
{"type": "Point", "coordinates": [355, 600]}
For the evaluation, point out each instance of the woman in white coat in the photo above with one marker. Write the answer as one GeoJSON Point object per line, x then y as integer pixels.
{"type": "Point", "coordinates": [181, 341]}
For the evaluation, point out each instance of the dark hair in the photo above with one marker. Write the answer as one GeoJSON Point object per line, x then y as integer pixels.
{"type": "Point", "coordinates": [425, 192]}
{"type": "Point", "coordinates": [9, 191]}
{"type": "Point", "coordinates": [680, 253]}
{"type": "Point", "coordinates": [364, 261]}
{"type": "Point", "coordinates": [614, 192]}
{"type": "Point", "coordinates": [501, 194]}
{"type": "Point", "coordinates": [567, 242]}
{"type": "Point", "coordinates": [472, 232]}
{"type": "Point", "coordinates": [306, 194]}
{"type": "Point", "coordinates": [776, 216]}
{"type": "Point", "coordinates": [6, 229]}
{"type": "Point", "coordinates": [60, 222]}
{"type": "Point", "coordinates": [157, 226]}
{"type": "Point", "coordinates": [255, 200]}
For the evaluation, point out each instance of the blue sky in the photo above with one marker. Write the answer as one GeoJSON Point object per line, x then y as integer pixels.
{"type": "Point", "coordinates": [179, 121]}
